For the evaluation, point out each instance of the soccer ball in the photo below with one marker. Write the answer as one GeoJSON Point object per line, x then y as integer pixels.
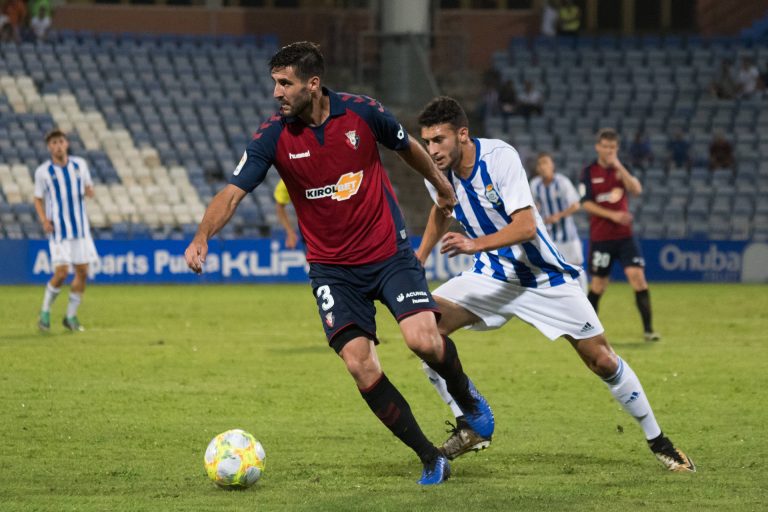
{"type": "Point", "coordinates": [234, 459]}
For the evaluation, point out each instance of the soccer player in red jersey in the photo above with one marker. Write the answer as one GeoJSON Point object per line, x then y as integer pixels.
{"type": "Point", "coordinates": [324, 145]}
{"type": "Point", "coordinates": [604, 187]}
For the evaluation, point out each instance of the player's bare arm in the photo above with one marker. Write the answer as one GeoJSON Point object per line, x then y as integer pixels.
{"type": "Point", "coordinates": [617, 216]}
{"type": "Point", "coordinates": [437, 225]}
{"type": "Point", "coordinates": [218, 213]}
{"type": "Point", "coordinates": [631, 183]}
{"type": "Point", "coordinates": [521, 228]}
{"type": "Point", "coordinates": [418, 159]}
{"type": "Point", "coordinates": [89, 191]}
{"type": "Point", "coordinates": [44, 220]}
{"type": "Point", "coordinates": [563, 214]}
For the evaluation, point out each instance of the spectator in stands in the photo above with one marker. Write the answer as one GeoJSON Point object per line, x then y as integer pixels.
{"type": "Point", "coordinates": [507, 102]}
{"type": "Point", "coordinates": [530, 101]}
{"type": "Point", "coordinates": [747, 78]}
{"type": "Point", "coordinates": [724, 86]}
{"type": "Point", "coordinates": [282, 200]}
{"type": "Point", "coordinates": [640, 153]}
{"type": "Point", "coordinates": [41, 18]}
{"type": "Point", "coordinates": [549, 19]}
{"type": "Point", "coordinates": [720, 153]}
{"type": "Point", "coordinates": [14, 15]}
{"type": "Point", "coordinates": [679, 151]}
{"type": "Point", "coordinates": [489, 104]}
{"type": "Point", "coordinates": [569, 18]}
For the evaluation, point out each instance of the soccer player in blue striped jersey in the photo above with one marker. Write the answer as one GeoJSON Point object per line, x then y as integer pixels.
{"type": "Point", "coordinates": [557, 200]}
{"type": "Point", "coordinates": [61, 186]}
{"type": "Point", "coordinates": [517, 270]}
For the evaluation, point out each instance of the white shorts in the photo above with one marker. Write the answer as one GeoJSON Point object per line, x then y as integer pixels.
{"type": "Point", "coordinates": [555, 311]}
{"type": "Point", "coordinates": [77, 251]}
{"type": "Point", "coordinates": [571, 251]}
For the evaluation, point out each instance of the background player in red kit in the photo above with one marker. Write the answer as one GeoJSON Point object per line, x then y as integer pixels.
{"type": "Point", "coordinates": [604, 187]}
{"type": "Point", "coordinates": [324, 145]}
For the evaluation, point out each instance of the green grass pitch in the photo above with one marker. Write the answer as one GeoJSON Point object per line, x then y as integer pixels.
{"type": "Point", "coordinates": [117, 418]}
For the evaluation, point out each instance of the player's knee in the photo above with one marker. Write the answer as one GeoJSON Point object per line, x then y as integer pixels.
{"type": "Point", "coordinates": [426, 343]}
{"type": "Point", "coordinates": [604, 363]}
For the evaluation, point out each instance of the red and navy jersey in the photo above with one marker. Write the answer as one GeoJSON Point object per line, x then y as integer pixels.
{"type": "Point", "coordinates": [344, 202]}
{"type": "Point", "coordinates": [603, 186]}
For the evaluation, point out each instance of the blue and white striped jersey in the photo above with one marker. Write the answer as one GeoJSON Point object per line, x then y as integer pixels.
{"type": "Point", "coordinates": [554, 198]}
{"type": "Point", "coordinates": [497, 187]}
{"type": "Point", "coordinates": [63, 191]}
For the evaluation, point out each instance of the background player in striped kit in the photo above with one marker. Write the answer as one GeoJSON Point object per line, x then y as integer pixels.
{"type": "Point", "coordinates": [61, 186]}
{"type": "Point", "coordinates": [516, 272]}
{"type": "Point", "coordinates": [557, 200]}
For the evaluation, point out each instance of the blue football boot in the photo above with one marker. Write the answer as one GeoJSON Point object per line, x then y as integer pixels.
{"type": "Point", "coordinates": [435, 472]}
{"type": "Point", "coordinates": [481, 418]}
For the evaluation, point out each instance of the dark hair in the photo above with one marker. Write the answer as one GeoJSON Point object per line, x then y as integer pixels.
{"type": "Point", "coordinates": [56, 132]}
{"type": "Point", "coordinates": [304, 57]}
{"type": "Point", "coordinates": [443, 109]}
{"type": "Point", "coordinates": [607, 134]}
{"type": "Point", "coordinates": [543, 154]}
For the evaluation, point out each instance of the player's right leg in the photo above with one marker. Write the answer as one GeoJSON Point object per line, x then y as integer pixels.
{"type": "Point", "coordinates": [52, 290]}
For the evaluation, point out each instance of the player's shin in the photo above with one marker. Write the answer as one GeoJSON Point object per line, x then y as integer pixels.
{"type": "Point", "coordinates": [456, 381]}
{"type": "Point", "coordinates": [439, 383]}
{"type": "Point", "coordinates": [627, 390]}
{"type": "Point", "coordinates": [393, 411]}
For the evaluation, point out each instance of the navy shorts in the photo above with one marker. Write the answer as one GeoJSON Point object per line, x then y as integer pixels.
{"type": "Point", "coordinates": [602, 255]}
{"type": "Point", "coordinates": [345, 293]}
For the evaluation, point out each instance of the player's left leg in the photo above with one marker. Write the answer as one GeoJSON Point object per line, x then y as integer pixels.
{"type": "Point", "coordinates": [625, 387]}
{"type": "Point", "coordinates": [636, 277]}
{"type": "Point", "coordinates": [76, 291]}
{"type": "Point", "coordinates": [405, 292]}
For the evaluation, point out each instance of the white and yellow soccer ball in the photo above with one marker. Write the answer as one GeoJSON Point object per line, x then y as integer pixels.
{"type": "Point", "coordinates": [234, 459]}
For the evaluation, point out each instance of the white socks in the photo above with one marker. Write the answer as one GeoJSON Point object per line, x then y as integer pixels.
{"type": "Point", "coordinates": [441, 388]}
{"type": "Point", "coordinates": [74, 303]}
{"type": "Point", "coordinates": [627, 390]}
{"type": "Point", "coordinates": [50, 295]}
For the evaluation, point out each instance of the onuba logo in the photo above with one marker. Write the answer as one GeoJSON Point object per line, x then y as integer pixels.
{"type": "Point", "coordinates": [346, 187]}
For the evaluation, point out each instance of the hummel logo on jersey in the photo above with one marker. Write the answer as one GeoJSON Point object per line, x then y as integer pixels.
{"type": "Point", "coordinates": [400, 298]}
{"type": "Point", "coordinates": [296, 156]}
{"type": "Point", "coordinates": [346, 187]}
{"type": "Point", "coordinates": [587, 327]}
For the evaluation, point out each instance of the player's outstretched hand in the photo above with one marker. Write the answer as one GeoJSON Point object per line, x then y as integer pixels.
{"type": "Point", "coordinates": [196, 253]}
{"type": "Point", "coordinates": [456, 243]}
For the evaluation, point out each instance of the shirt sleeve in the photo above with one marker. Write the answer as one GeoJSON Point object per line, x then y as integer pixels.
{"type": "Point", "coordinates": [86, 173]}
{"type": "Point", "coordinates": [569, 191]}
{"type": "Point", "coordinates": [258, 156]}
{"type": "Point", "coordinates": [513, 182]}
{"type": "Point", "coordinates": [281, 194]}
{"type": "Point", "coordinates": [387, 130]}
{"type": "Point", "coordinates": [39, 183]}
{"type": "Point", "coordinates": [585, 186]}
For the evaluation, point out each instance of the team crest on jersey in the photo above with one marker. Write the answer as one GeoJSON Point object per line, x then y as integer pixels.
{"type": "Point", "coordinates": [352, 139]}
{"type": "Point", "coordinates": [346, 187]}
{"type": "Point", "coordinates": [491, 194]}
